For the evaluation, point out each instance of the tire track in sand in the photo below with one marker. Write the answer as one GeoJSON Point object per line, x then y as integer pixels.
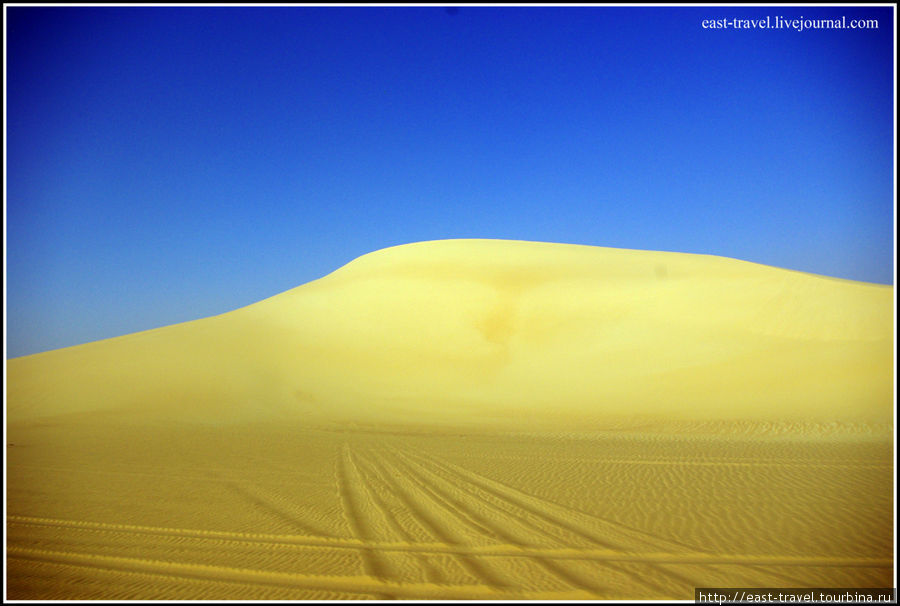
{"type": "Point", "coordinates": [510, 512]}
{"type": "Point", "coordinates": [436, 527]}
{"type": "Point", "coordinates": [374, 563]}
{"type": "Point", "coordinates": [191, 533]}
{"type": "Point", "coordinates": [120, 584]}
{"type": "Point", "coordinates": [596, 530]}
{"type": "Point", "coordinates": [269, 504]}
{"type": "Point", "coordinates": [349, 584]}
{"type": "Point", "coordinates": [432, 573]}
{"type": "Point", "coordinates": [562, 553]}
{"type": "Point", "coordinates": [615, 536]}
{"type": "Point", "coordinates": [550, 528]}
{"type": "Point", "coordinates": [467, 512]}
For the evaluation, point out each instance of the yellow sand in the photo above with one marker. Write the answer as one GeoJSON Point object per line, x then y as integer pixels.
{"type": "Point", "coordinates": [468, 419]}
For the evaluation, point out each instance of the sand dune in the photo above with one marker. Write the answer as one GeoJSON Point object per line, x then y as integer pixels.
{"type": "Point", "coordinates": [471, 330]}
{"type": "Point", "coordinates": [468, 419]}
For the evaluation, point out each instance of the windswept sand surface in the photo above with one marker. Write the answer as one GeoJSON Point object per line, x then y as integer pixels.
{"type": "Point", "coordinates": [468, 420]}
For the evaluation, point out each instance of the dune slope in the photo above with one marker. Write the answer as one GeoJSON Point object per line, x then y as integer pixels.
{"type": "Point", "coordinates": [478, 330]}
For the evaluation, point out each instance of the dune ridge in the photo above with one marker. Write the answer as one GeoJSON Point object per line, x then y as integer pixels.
{"type": "Point", "coordinates": [491, 331]}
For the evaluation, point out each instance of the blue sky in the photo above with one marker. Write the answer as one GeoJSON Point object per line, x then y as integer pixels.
{"type": "Point", "coordinates": [167, 164]}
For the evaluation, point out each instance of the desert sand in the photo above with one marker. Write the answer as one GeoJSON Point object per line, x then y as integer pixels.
{"type": "Point", "coordinates": [468, 419]}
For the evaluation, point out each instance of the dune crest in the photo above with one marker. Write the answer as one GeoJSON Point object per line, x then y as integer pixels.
{"type": "Point", "coordinates": [493, 331]}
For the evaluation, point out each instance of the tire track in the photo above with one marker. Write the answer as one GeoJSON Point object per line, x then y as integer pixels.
{"type": "Point", "coordinates": [456, 510]}
{"type": "Point", "coordinates": [375, 526]}
{"type": "Point", "coordinates": [437, 529]}
{"type": "Point", "coordinates": [505, 551]}
{"type": "Point", "coordinates": [352, 584]}
{"type": "Point", "coordinates": [388, 523]}
{"type": "Point", "coordinates": [539, 507]}
{"type": "Point", "coordinates": [576, 522]}
{"type": "Point", "coordinates": [276, 556]}
{"type": "Point", "coordinates": [466, 513]}
{"type": "Point", "coordinates": [432, 573]}
{"type": "Point", "coordinates": [504, 508]}
{"type": "Point", "coordinates": [374, 563]}
{"type": "Point", "coordinates": [204, 588]}
{"type": "Point", "coordinates": [268, 504]}
{"type": "Point", "coordinates": [222, 535]}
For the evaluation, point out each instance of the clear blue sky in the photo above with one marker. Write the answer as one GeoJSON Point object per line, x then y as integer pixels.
{"type": "Point", "coordinates": [167, 164]}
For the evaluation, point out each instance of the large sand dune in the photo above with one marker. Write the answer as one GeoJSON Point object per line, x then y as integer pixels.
{"type": "Point", "coordinates": [468, 419]}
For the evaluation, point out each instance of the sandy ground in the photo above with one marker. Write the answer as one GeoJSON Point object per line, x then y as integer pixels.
{"type": "Point", "coordinates": [468, 420]}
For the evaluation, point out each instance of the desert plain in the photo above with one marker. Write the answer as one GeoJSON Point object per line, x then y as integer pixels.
{"type": "Point", "coordinates": [468, 419]}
